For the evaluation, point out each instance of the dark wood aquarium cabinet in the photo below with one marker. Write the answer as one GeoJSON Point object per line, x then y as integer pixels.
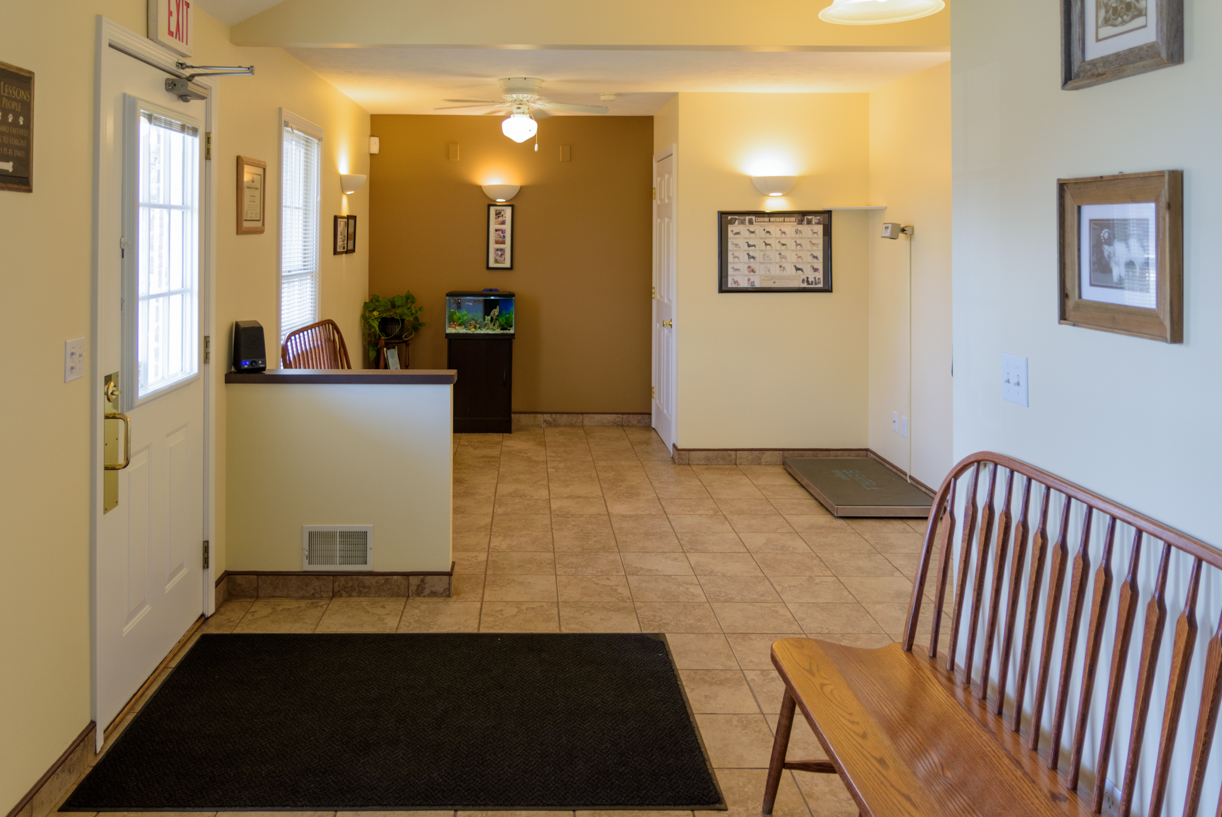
{"type": "Point", "coordinates": [479, 336]}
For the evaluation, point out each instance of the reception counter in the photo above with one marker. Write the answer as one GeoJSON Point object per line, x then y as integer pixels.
{"type": "Point", "coordinates": [312, 447]}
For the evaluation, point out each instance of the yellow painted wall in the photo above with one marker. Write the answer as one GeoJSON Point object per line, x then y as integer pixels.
{"type": "Point", "coordinates": [581, 247]}
{"type": "Point", "coordinates": [910, 173]}
{"type": "Point", "coordinates": [45, 299]}
{"type": "Point", "coordinates": [771, 370]}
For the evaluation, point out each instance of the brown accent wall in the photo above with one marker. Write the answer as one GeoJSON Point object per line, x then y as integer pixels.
{"type": "Point", "coordinates": [582, 246]}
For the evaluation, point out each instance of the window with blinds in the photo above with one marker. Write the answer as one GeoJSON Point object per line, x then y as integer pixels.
{"type": "Point", "coordinates": [301, 166]}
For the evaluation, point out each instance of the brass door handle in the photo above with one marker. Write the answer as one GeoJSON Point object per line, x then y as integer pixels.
{"type": "Point", "coordinates": [668, 324]}
{"type": "Point", "coordinates": [127, 441]}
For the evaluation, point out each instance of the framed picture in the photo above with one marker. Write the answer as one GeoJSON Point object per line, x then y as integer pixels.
{"type": "Point", "coordinates": [351, 234]}
{"type": "Point", "coordinates": [500, 236]}
{"type": "Point", "coordinates": [17, 129]}
{"type": "Point", "coordinates": [1104, 40]}
{"type": "Point", "coordinates": [341, 236]}
{"type": "Point", "coordinates": [1122, 254]}
{"type": "Point", "coordinates": [392, 358]}
{"type": "Point", "coordinates": [252, 188]}
{"type": "Point", "coordinates": [775, 251]}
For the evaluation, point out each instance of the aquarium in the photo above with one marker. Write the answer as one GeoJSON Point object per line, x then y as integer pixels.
{"type": "Point", "coordinates": [487, 312]}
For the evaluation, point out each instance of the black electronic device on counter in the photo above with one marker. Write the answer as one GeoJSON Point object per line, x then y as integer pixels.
{"type": "Point", "coordinates": [249, 350]}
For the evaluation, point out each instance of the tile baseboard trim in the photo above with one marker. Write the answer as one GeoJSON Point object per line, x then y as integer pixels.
{"type": "Point", "coordinates": [575, 419]}
{"type": "Point", "coordinates": [62, 776]}
{"type": "Point", "coordinates": [300, 584]}
{"type": "Point", "coordinates": [756, 456]}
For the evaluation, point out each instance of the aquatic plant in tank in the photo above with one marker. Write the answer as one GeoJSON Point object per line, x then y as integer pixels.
{"type": "Point", "coordinates": [479, 313]}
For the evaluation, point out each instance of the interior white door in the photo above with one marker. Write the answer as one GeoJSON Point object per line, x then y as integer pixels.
{"type": "Point", "coordinates": [149, 222]}
{"type": "Point", "coordinates": [664, 296]}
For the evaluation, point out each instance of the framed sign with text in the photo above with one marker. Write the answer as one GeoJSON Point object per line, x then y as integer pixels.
{"type": "Point", "coordinates": [171, 23]}
{"type": "Point", "coordinates": [775, 251]}
{"type": "Point", "coordinates": [252, 187]}
{"type": "Point", "coordinates": [16, 128]}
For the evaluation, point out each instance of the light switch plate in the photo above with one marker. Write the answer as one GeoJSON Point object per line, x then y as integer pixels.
{"type": "Point", "coordinates": [1014, 379]}
{"type": "Point", "coordinates": [74, 359]}
{"type": "Point", "coordinates": [903, 426]}
{"type": "Point", "coordinates": [895, 421]}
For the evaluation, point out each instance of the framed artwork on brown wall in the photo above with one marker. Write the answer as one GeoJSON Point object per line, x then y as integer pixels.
{"type": "Point", "coordinates": [1122, 254]}
{"type": "Point", "coordinates": [340, 240]}
{"type": "Point", "coordinates": [1105, 40]}
{"type": "Point", "coordinates": [500, 236]}
{"type": "Point", "coordinates": [351, 234]}
{"type": "Point", "coordinates": [252, 188]}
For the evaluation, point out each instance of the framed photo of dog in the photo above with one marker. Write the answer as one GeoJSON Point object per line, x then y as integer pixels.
{"type": "Point", "coordinates": [775, 251]}
{"type": "Point", "coordinates": [1122, 254]}
{"type": "Point", "coordinates": [1105, 40]}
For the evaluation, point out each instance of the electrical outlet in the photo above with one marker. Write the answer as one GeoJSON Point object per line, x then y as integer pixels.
{"type": "Point", "coordinates": [1014, 379]}
{"type": "Point", "coordinates": [74, 359]}
{"type": "Point", "coordinates": [895, 421]}
{"type": "Point", "coordinates": [1111, 799]}
{"type": "Point", "coordinates": [903, 426]}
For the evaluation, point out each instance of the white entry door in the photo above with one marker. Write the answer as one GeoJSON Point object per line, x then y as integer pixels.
{"type": "Point", "coordinates": [149, 578]}
{"type": "Point", "coordinates": [664, 296]}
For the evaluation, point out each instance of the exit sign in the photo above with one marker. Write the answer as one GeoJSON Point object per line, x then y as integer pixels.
{"type": "Point", "coordinates": [171, 23]}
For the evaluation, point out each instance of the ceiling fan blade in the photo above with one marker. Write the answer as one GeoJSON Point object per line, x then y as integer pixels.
{"type": "Point", "coordinates": [564, 106]}
{"type": "Point", "coordinates": [458, 107]}
{"type": "Point", "coordinates": [481, 101]}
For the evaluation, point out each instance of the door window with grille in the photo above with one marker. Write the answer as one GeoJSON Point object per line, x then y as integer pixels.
{"type": "Point", "coordinates": [161, 250]}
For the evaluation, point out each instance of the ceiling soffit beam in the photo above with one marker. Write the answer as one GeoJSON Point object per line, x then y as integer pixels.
{"type": "Point", "coordinates": [708, 25]}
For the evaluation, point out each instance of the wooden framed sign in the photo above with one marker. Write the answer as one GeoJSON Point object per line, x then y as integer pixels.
{"type": "Point", "coordinates": [171, 24]}
{"type": "Point", "coordinates": [16, 129]}
{"type": "Point", "coordinates": [775, 251]}
{"type": "Point", "coordinates": [340, 237]}
{"type": "Point", "coordinates": [252, 190]}
{"type": "Point", "coordinates": [351, 234]}
{"type": "Point", "coordinates": [1122, 254]}
{"type": "Point", "coordinates": [1105, 40]}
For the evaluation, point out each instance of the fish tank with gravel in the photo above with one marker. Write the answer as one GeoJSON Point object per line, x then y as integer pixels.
{"type": "Point", "coordinates": [487, 312]}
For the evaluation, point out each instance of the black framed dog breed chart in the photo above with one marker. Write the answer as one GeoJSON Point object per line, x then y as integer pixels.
{"type": "Point", "coordinates": [775, 252]}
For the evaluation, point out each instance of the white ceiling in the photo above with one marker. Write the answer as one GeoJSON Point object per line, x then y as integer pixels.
{"type": "Point", "coordinates": [415, 80]}
{"type": "Point", "coordinates": [232, 12]}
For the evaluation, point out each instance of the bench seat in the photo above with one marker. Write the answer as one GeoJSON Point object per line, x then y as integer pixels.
{"type": "Point", "coordinates": [906, 740]}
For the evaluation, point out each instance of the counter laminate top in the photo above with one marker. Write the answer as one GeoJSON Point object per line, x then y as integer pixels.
{"type": "Point", "coordinates": [358, 377]}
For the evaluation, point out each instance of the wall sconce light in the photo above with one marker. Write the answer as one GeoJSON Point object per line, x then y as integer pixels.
{"type": "Point", "coordinates": [501, 192]}
{"type": "Point", "coordinates": [878, 12]}
{"type": "Point", "coordinates": [351, 182]}
{"type": "Point", "coordinates": [774, 185]}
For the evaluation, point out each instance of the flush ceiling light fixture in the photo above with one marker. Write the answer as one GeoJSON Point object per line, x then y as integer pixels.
{"type": "Point", "coordinates": [878, 12]}
{"type": "Point", "coordinates": [501, 192]}
{"type": "Point", "coordinates": [774, 185]}
{"type": "Point", "coordinates": [351, 182]}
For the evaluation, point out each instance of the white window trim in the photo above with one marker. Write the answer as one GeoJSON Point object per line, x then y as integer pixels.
{"type": "Point", "coordinates": [302, 125]}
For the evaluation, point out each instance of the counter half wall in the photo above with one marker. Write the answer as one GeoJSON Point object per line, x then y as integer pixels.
{"type": "Point", "coordinates": [360, 447]}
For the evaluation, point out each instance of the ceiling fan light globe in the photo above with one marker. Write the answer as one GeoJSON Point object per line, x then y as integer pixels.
{"type": "Point", "coordinates": [519, 127]}
{"type": "Point", "coordinates": [878, 12]}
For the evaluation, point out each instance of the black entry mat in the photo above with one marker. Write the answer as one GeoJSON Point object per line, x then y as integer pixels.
{"type": "Point", "coordinates": [859, 487]}
{"type": "Point", "coordinates": [404, 722]}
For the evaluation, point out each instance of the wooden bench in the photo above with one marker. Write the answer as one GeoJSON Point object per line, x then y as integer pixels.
{"type": "Point", "coordinates": [913, 732]}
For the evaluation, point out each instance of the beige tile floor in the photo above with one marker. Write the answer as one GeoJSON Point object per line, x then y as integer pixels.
{"type": "Point", "coordinates": [596, 530]}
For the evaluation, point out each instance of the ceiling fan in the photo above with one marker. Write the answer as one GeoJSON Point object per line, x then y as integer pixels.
{"type": "Point", "coordinates": [523, 104]}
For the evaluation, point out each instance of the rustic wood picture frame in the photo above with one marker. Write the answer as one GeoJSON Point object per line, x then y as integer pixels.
{"type": "Point", "coordinates": [1165, 189]}
{"type": "Point", "coordinates": [1079, 72]}
{"type": "Point", "coordinates": [18, 183]}
{"type": "Point", "coordinates": [246, 227]}
{"type": "Point", "coordinates": [351, 234]}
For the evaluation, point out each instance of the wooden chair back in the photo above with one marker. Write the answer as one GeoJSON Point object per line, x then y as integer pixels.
{"type": "Point", "coordinates": [1013, 574]}
{"type": "Point", "coordinates": [317, 346]}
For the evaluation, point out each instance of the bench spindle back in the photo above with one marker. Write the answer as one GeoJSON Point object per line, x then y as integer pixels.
{"type": "Point", "coordinates": [1013, 575]}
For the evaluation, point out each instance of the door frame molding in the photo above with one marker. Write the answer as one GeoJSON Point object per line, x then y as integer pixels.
{"type": "Point", "coordinates": [138, 47]}
{"type": "Point", "coordinates": [670, 151]}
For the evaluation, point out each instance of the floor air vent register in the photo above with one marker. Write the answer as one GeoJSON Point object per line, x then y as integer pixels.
{"type": "Point", "coordinates": [337, 547]}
